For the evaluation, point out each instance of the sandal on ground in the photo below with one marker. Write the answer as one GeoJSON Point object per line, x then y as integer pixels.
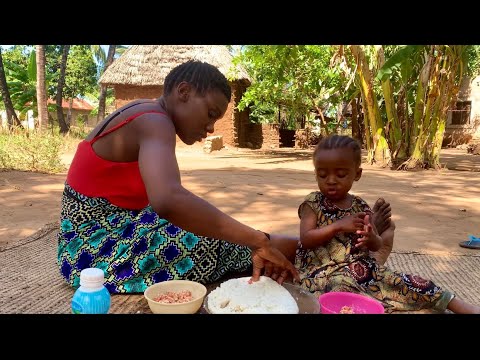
{"type": "Point", "coordinates": [473, 243]}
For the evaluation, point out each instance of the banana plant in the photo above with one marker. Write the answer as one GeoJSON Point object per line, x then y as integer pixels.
{"type": "Point", "coordinates": [22, 85]}
{"type": "Point", "coordinates": [12, 118]}
{"type": "Point", "coordinates": [415, 85]}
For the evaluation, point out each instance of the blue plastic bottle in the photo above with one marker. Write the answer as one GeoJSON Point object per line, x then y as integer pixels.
{"type": "Point", "coordinates": [92, 297]}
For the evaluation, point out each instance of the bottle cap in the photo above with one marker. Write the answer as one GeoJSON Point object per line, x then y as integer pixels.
{"type": "Point", "coordinates": [92, 277]}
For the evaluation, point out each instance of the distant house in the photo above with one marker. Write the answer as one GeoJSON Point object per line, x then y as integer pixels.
{"type": "Point", "coordinates": [141, 70]}
{"type": "Point", "coordinates": [80, 114]}
{"type": "Point", "coordinates": [463, 121]}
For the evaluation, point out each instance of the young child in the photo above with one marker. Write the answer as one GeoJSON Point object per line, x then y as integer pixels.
{"type": "Point", "coordinates": [337, 236]}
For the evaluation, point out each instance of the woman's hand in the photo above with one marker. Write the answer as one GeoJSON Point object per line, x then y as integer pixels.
{"type": "Point", "coordinates": [275, 264]}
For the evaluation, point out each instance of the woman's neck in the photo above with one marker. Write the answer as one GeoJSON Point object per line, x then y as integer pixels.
{"type": "Point", "coordinates": [163, 104]}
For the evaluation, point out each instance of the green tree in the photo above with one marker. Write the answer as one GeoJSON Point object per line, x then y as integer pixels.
{"type": "Point", "coordinates": [406, 93]}
{"type": "Point", "coordinates": [21, 83]}
{"type": "Point", "coordinates": [18, 54]}
{"type": "Point", "coordinates": [12, 118]}
{"type": "Point", "coordinates": [298, 79]}
{"type": "Point", "coordinates": [81, 74]}
{"type": "Point", "coordinates": [103, 89]}
{"type": "Point", "coordinates": [59, 96]}
{"type": "Point", "coordinates": [41, 88]}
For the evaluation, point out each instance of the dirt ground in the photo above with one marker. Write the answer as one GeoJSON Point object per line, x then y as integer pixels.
{"type": "Point", "coordinates": [433, 210]}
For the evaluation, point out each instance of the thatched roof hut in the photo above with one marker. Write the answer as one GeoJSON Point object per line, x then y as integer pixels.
{"type": "Point", "coordinates": [141, 71]}
{"type": "Point", "coordinates": [148, 65]}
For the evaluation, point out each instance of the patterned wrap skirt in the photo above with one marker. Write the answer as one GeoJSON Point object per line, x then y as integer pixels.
{"type": "Point", "coordinates": [136, 248]}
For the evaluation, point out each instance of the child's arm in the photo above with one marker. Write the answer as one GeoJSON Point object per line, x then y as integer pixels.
{"type": "Point", "coordinates": [369, 236]}
{"type": "Point", "coordinates": [311, 236]}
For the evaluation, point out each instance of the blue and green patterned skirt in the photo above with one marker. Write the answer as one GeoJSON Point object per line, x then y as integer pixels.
{"type": "Point", "coordinates": [136, 249]}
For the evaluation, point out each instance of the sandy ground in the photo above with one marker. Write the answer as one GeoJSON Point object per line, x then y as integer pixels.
{"type": "Point", "coordinates": [434, 210]}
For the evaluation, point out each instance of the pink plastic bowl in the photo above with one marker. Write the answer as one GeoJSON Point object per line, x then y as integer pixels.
{"type": "Point", "coordinates": [332, 303]}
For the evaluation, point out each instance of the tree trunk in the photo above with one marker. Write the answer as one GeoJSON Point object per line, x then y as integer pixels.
{"type": "Point", "coordinates": [447, 91]}
{"type": "Point", "coordinates": [41, 88]}
{"type": "Point", "coordinates": [379, 153]}
{"type": "Point", "coordinates": [355, 125]}
{"type": "Point", "coordinates": [420, 102]}
{"type": "Point", "coordinates": [12, 118]}
{"type": "Point", "coordinates": [69, 112]}
{"type": "Point", "coordinates": [103, 90]}
{"type": "Point", "coordinates": [393, 129]}
{"type": "Point", "coordinates": [437, 84]}
{"type": "Point", "coordinates": [59, 98]}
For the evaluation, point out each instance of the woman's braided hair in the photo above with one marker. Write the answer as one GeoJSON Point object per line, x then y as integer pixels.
{"type": "Point", "coordinates": [201, 75]}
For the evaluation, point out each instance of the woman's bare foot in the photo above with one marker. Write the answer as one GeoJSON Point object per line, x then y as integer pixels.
{"type": "Point", "coordinates": [382, 215]}
{"type": "Point", "coordinates": [382, 219]}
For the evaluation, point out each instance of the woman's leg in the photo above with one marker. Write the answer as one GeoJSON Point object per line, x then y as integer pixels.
{"type": "Point", "coordinates": [286, 244]}
{"type": "Point", "coordinates": [382, 219]}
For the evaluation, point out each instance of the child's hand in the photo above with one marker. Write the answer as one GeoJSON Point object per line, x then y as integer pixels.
{"type": "Point", "coordinates": [352, 223]}
{"type": "Point", "coordinates": [369, 236]}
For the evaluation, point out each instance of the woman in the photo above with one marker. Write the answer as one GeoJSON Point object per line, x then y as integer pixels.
{"type": "Point", "coordinates": [123, 195]}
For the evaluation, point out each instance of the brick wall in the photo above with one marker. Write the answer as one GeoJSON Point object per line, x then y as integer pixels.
{"type": "Point", "coordinates": [225, 126]}
{"type": "Point", "coordinates": [462, 134]}
{"type": "Point", "coordinates": [234, 126]}
{"type": "Point", "coordinates": [126, 93]}
{"type": "Point", "coordinates": [271, 136]}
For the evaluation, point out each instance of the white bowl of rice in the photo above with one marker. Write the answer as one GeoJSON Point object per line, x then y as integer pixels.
{"type": "Point", "coordinates": [175, 297]}
{"type": "Point", "coordinates": [266, 296]}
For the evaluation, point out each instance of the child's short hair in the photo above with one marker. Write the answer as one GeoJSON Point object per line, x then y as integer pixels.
{"type": "Point", "coordinates": [340, 142]}
{"type": "Point", "coordinates": [203, 76]}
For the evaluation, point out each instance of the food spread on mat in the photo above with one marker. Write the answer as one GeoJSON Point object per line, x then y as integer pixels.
{"type": "Point", "coordinates": [240, 296]}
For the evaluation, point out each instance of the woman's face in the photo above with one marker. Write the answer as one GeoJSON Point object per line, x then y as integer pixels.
{"type": "Point", "coordinates": [194, 116]}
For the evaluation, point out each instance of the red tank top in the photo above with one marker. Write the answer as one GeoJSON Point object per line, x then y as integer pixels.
{"type": "Point", "coordinates": [118, 182]}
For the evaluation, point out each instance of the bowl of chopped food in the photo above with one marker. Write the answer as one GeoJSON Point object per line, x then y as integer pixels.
{"type": "Point", "coordinates": [266, 296]}
{"type": "Point", "coordinates": [349, 303]}
{"type": "Point", "coordinates": [175, 297]}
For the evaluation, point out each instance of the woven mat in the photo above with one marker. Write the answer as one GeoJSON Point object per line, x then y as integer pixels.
{"type": "Point", "coordinates": [31, 283]}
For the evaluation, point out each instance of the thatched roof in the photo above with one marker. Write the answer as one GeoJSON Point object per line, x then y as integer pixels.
{"type": "Point", "coordinates": [145, 65]}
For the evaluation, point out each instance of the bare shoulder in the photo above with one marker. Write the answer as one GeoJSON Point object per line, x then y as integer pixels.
{"type": "Point", "coordinates": [155, 123]}
{"type": "Point", "coordinates": [155, 129]}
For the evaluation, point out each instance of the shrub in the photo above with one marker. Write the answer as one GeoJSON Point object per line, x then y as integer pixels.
{"type": "Point", "coordinates": [31, 151]}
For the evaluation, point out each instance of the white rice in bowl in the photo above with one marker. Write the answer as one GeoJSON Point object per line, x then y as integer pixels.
{"type": "Point", "coordinates": [237, 296]}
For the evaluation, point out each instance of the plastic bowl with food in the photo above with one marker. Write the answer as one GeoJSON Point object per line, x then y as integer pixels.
{"type": "Point", "coordinates": [349, 303]}
{"type": "Point", "coordinates": [307, 303]}
{"type": "Point", "coordinates": [175, 297]}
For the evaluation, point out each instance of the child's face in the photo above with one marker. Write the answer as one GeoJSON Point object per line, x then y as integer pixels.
{"type": "Point", "coordinates": [336, 170]}
{"type": "Point", "coordinates": [195, 115]}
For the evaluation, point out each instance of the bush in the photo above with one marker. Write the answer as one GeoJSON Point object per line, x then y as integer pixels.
{"type": "Point", "coordinates": [31, 151]}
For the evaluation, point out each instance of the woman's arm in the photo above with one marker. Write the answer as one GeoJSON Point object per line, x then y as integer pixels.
{"type": "Point", "coordinates": [161, 176]}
